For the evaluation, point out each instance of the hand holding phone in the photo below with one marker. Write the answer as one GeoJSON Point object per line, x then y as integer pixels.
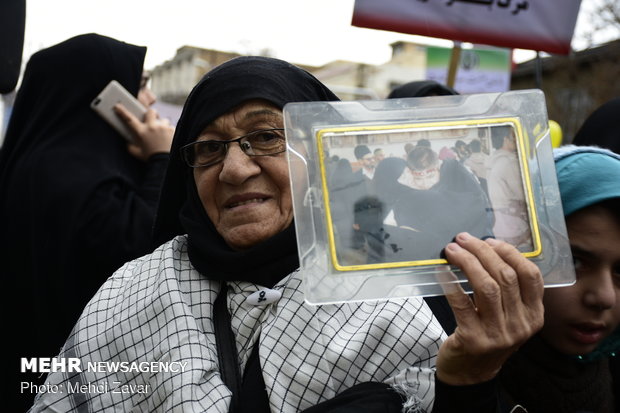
{"type": "Point", "coordinates": [152, 135]}
{"type": "Point", "coordinates": [104, 104]}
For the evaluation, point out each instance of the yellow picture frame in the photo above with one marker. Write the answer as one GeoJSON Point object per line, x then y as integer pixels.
{"type": "Point", "coordinates": [450, 128]}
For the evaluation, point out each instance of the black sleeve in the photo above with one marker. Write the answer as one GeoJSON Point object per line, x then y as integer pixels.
{"type": "Point", "coordinates": [115, 223]}
{"type": "Point", "coordinates": [455, 177]}
{"type": "Point", "coordinates": [370, 397]}
{"type": "Point", "coordinates": [443, 312]}
{"type": "Point", "coordinates": [154, 177]}
{"type": "Point", "coordinates": [475, 398]}
{"type": "Point", "coordinates": [374, 397]}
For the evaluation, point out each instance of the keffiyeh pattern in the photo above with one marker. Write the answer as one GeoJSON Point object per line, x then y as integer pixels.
{"type": "Point", "coordinates": [158, 308]}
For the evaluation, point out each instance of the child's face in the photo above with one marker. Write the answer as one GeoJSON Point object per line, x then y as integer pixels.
{"type": "Point", "coordinates": [579, 317]}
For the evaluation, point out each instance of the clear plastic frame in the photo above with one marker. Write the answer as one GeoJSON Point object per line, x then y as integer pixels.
{"type": "Point", "coordinates": [381, 187]}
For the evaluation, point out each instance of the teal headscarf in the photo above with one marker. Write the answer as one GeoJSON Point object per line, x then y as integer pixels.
{"type": "Point", "coordinates": [588, 175]}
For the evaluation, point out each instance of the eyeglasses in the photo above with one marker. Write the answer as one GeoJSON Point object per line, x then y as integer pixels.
{"type": "Point", "coordinates": [262, 142]}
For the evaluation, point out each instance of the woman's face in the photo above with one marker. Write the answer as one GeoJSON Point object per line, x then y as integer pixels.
{"type": "Point", "coordinates": [248, 199]}
{"type": "Point", "coordinates": [145, 94]}
{"type": "Point", "coordinates": [579, 317]}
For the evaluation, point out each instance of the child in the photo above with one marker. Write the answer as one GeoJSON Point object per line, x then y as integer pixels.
{"type": "Point", "coordinates": [568, 365]}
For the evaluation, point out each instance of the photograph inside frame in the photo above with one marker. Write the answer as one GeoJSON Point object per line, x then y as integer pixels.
{"type": "Point", "coordinates": [396, 195]}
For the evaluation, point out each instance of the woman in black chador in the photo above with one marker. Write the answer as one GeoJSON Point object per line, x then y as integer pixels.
{"type": "Point", "coordinates": [454, 203]}
{"type": "Point", "coordinates": [387, 241]}
{"type": "Point", "coordinates": [75, 201]}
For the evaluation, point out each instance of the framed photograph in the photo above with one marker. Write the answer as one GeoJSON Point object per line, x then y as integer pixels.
{"type": "Point", "coordinates": [381, 187]}
{"type": "Point", "coordinates": [395, 196]}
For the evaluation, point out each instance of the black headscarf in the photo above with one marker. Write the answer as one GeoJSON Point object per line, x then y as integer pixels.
{"type": "Point", "coordinates": [421, 88]}
{"type": "Point", "coordinates": [602, 127]}
{"type": "Point", "coordinates": [70, 212]}
{"type": "Point", "coordinates": [180, 211]}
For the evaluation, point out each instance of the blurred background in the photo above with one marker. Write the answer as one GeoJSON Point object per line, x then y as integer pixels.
{"type": "Point", "coordinates": [186, 38]}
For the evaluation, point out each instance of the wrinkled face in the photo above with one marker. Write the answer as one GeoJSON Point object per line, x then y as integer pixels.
{"type": "Point", "coordinates": [248, 199]}
{"type": "Point", "coordinates": [579, 317]}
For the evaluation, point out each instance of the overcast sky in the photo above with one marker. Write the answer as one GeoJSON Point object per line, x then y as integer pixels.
{"type": "Point", "coordinates": [310, 32]}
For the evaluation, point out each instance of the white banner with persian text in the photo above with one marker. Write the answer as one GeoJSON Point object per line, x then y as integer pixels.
{"type": "Point", "coordinates": [543, 25]}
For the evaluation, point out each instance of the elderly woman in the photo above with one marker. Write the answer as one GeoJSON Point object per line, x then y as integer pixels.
{"type": "Point", "coordinates": [218, 309]}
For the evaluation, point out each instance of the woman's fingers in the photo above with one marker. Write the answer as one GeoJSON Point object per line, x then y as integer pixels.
{"type": "Point", "coordinates": [531, 283]}
{"type": "Point", "coordinates": [152, 134]}
{"type": "Point", "coordinates": [462, 306]}
{"type": "Point", "coordinates": [505, 282]}
{"type": "Point", "coordinates": [524, 317]}
{"type": "Point", "coordinates": [521, 286]}
{"type": "Point", "coordinates": [506, 310]}
{"type": "Point", "coordinates": [150, 116]}
{"type": "Point", "coordinates": [474, 257]}
{"type": "Point", "coordinates": [128, 117]}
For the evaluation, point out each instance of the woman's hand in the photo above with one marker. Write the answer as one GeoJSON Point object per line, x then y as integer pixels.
{"type": "Point", "coordinates": [506, 309]}
{"type": "Point", "coordinates": [153, 135]}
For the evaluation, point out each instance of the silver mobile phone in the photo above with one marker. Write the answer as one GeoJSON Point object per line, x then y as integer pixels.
{"type": "Point", "coordinates": [104, 103]}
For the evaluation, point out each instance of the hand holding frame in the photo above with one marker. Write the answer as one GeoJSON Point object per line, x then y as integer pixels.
{"type": "Point", "coordinates": [506, 309]}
